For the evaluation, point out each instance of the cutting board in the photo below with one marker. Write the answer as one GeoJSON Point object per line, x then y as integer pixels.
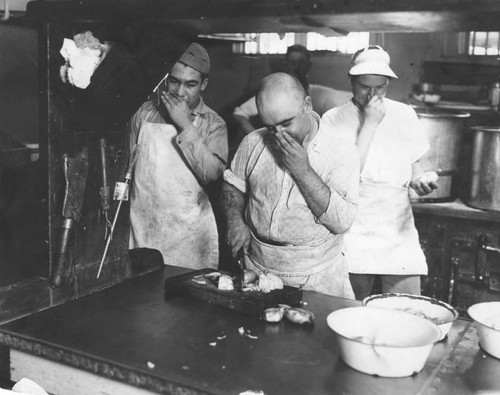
{"type": "Point", "coordinates": [250, 302]}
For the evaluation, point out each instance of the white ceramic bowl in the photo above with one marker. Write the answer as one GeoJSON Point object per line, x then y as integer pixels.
{"type": "Point", "coordinates": [383, 342]}
{"type": "Point", "coordinates": [440, 313]}
{"type": "Point", "coordinates": [487, 318]}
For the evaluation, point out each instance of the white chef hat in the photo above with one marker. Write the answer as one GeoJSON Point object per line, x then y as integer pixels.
{"type": "Point", "coordinates": [371, 60]}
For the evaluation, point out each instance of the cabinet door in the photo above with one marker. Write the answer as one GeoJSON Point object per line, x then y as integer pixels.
{"type": "Point", "coordinates": [432, 240]}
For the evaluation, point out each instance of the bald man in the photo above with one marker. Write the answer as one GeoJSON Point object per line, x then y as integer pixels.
{"type": "Point", "coordinates": [291, 193]}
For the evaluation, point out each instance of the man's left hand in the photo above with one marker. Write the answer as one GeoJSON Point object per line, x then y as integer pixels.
{"type": "Point", "coordinates": [425, 184]}
{"type": "Point", "coordinates": [177, 109]}
{"type": "Point", "coordinates": [294, 156]}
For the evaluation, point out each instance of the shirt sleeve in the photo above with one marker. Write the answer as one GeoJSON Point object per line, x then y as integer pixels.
{"type": "Point", "coordinates": [237, 174]}
{"type": "Point", "coordinates": [133, 128]}
{"type": "Point", "coordinates": [248, 109]}
{"type": "Point", "coordinates": [343, 182]}
{"type": "Point", "coordinates": [207, 156]}
{"type": "Point", "coordinates": [418, 139]}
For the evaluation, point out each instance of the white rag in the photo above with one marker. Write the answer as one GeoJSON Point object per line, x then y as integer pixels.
{"type": "Point", "coordinates": [81, 63]}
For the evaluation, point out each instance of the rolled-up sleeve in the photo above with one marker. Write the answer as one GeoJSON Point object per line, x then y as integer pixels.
{"type": "Point", "coordinates": [236, 175]}
{"type": "Point", "coordinates": [134, 126]}
{"type": "Point", "coordinates": [343, 182]}
{"type": "Point", "coordinates": [206, 154]}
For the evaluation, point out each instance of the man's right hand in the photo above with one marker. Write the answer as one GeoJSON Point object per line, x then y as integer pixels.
{"type": "Point", "coordinates": [238, 237]}
{"type": "Point", "coordinates": [374, 111]}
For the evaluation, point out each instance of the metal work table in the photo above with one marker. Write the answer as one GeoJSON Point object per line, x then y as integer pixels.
{"type": "Point", "coordinates": [196, 348]}
{"type": "Point", "coordinates": [455, 209]}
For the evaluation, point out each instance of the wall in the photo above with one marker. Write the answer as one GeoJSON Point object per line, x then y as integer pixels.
{"type": "Point", "coordinates": [234, 78]}
{"type": "Point", "coordinates": [19, 82]}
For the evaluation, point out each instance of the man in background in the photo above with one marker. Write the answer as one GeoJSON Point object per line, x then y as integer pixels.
{"type": "Point", "coordinates": [297, 63]}
{"type": "Point", "coordinates": [383, 241]}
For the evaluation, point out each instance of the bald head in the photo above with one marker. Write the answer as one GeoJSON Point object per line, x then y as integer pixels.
{"type": "Point", "coordinates": [284, 106]}
{"type": "Point", "coordinates": [277, 87]}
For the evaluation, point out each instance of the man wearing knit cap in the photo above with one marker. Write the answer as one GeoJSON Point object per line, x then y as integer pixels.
{"type": "Point", "coordinates": [183, 149]}
{"type": "Point", "coordinates": [383, 240]}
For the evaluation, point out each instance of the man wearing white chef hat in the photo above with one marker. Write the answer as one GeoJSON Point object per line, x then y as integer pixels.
{"type": "Point", "coordinates": [183, 149]}
{"type": "Point", "coordinates": [383, 240]}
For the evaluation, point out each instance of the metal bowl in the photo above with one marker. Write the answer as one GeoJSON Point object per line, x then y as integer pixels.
{"type": "Point", "coordinates": [487, 318]}
{"type": "Point", "coordinates": [383, 342]}
{"type": "Point", "coordinates": [437, 311]}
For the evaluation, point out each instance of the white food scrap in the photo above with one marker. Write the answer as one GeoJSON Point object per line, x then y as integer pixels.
{"type": "Point", "coordinates": [273, 314]}
{"type": "Point", "coordinates": [299, 316]}
{"type": "Point", "coordinates": [252, 287]}
{"type": "Point", "coordinates": [269, 282]}
{"type": "Point", "coordinates": [225, 283]}
{"type": "Point", "coordinates": [200, 281]}
{"type": "Point", "coordinates": [250, 336]}
{"type": "Point", "coordinates": [151, 365]}
{"type": "Point", "coordinates": [241, 330]}
{"type": "Point", "coordinates": [212, 275]}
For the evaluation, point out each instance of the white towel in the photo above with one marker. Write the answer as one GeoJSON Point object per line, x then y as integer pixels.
{"type": "Point", "coordinates": [80, 63]}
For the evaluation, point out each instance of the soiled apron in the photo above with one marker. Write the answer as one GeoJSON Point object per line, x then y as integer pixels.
{"type": "Point", "coordinates": [169, 209]}
{"type": "Point", "coordinates": [321, 268]}
{"type": "Point", "coordinates": [383, 238]}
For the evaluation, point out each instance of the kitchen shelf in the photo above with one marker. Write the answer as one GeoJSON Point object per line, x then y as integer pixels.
{"type": "Point", "coordinates": [456, 209]}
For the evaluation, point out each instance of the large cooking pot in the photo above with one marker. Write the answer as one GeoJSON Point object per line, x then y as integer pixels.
{"type": "Point", "coordinates": [485, 177]}
{"type": "Point", "coordinates": [445, 131]}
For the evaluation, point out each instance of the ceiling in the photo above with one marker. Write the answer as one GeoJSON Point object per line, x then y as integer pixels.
{"type": "Point", "coordinates": [230, 16]}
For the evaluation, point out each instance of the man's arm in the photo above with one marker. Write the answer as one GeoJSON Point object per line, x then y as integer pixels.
{"type": "Point", "coordinates": [331, 208]}
{"type": "Point", "coordinates": [423, 182]}
{"type": "Point", "coordinates": [233, 208]}
{"type": "Point", "coordinates": [206, 154]}
{"type": "Point", "coordinates": [371, 117]}
{"type": "Point", "coordinates": [243, 113]}
{"type": "Point", "coordinates": [207, 157]}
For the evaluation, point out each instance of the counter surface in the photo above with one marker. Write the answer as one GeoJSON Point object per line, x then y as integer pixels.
{"type": "Point", "coordinates": [455, 209]}
{"type": "Point", "coordinates": [196, 348]}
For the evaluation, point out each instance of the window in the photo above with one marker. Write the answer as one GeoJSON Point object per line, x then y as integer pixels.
{"type": "Point", "coordinates": [274, 43]}
{"type": "Point", "coordinates": [482, 43]}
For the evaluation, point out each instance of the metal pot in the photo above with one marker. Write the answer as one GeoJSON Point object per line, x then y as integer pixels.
{"type": "Point", "coordinates": [445, 131]}
{"type": "Point", "coordinates": [485, 177]}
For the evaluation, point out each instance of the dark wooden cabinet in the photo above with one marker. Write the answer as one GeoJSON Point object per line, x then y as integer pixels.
{"type": "Point", "coordinates": [462, 247]}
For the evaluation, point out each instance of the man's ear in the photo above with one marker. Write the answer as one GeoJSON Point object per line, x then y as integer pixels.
{"type": "Point", "coordinates": [204, 84]}
{"type": "Point", "coordinates": [308, 107]}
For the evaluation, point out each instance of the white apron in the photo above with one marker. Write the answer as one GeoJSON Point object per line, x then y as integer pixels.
{"type": "Point", "coordinates": [383, 238]}
{"type": "Point", "coordinates": [169, 209]}
{"type": "Point", "coordinates": [321, 268]}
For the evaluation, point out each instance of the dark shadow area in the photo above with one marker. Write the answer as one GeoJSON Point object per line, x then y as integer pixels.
{"type": "Point", "coordinates": [23, 249]}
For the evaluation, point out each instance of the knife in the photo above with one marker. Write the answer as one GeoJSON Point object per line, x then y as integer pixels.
{"type": "Point", "coordinates": [241, 264]}
{"type": "Point", "coordinates": [75, 172]}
